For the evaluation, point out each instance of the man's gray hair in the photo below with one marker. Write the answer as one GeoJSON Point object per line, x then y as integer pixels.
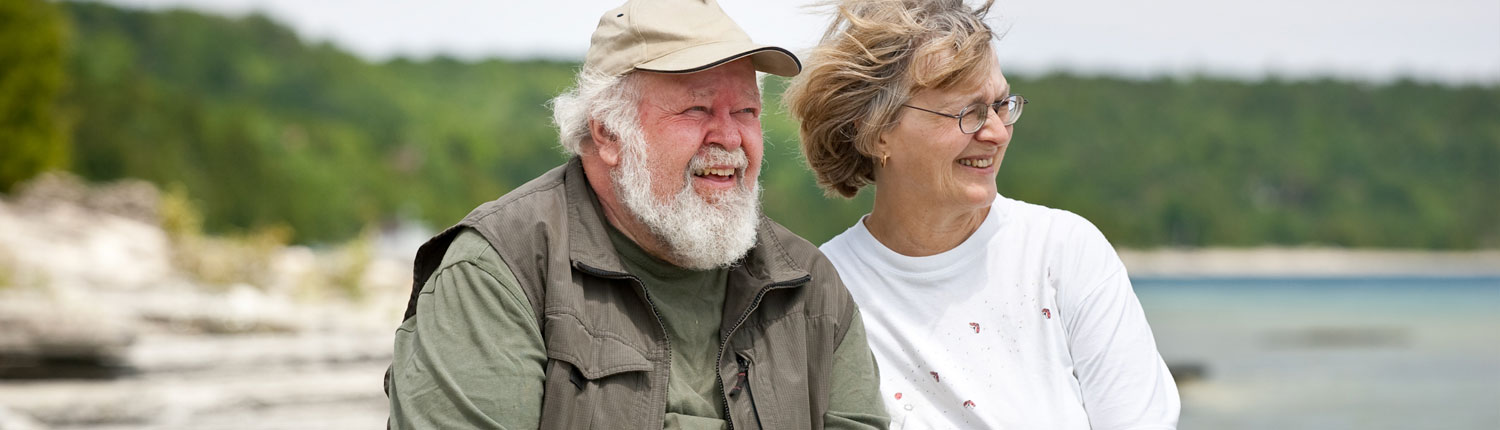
{"type": "Point", "coordinates": [612, 100]}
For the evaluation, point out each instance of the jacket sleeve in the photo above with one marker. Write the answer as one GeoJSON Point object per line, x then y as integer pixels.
{"type": "Point", "coordinates": [472, 356]}
{"type": "Point", "coordinates": [1124, 382]}
{"type": "Point", "coordinates": [854, 395]}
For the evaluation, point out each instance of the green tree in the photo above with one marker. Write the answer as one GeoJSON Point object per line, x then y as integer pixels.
{"type": "Point", "coordinates": [33, 135]}
{"type": "Point", "coordinates": [267, 130]}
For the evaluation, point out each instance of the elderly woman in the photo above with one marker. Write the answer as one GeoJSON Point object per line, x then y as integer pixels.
{"type": "Point", "coordinates": [982, 311]}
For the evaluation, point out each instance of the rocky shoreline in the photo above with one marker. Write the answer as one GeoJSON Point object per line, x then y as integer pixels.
{"type": "Point", "coordinates": [114, 316]}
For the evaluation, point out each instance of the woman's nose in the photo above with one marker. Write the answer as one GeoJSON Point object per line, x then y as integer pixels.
{"type": "Point", "coordinates": [994, 130]}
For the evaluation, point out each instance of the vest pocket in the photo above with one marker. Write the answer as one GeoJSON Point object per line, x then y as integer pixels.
{"type": "Point", "coordinates": [593, 381]}
{"type": "Point", "coordinates": [596, 356]}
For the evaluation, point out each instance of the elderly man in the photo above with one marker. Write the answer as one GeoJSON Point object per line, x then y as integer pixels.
{"type": "Point", "coordinates": [637, 286]}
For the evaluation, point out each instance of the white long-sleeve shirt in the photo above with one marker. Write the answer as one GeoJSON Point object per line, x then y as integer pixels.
{"type": "Point", "coordinates": [1030, 323]}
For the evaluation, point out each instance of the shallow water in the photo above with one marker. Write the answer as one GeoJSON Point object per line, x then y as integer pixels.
{"type": "Point", "coordinates": [1345, 353]}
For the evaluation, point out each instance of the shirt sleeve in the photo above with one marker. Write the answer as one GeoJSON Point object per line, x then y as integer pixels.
{"type": "Point", "coordinates": [472, 356]}
{"type": "Point", "coordinates": [1124, 381]}
{"type": "Point", "coordinates": [854, 395]}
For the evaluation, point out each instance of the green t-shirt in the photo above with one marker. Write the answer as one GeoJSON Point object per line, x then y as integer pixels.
{"type": "Point", "coordinates": [451, 371]}
{"type": "Point", "coordinates": [691, 305]}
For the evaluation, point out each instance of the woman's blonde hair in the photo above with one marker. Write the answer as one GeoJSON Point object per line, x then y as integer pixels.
{"type": "Point", "coordinates": [874, 56]}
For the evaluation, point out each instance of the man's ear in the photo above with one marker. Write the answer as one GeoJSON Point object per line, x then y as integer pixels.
{"type": "Point", "coordinates": [606, 143]}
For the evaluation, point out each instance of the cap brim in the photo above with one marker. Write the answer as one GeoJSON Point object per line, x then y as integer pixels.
{"type": "Point", "coordinates": [769, 59]}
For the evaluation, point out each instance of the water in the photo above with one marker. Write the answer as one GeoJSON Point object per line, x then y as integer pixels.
{"type": "Point", "coordinates": [1347, 353]}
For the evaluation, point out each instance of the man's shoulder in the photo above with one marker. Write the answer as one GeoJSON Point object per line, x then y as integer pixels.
{"type": "Point", "coordinates": [492, 234]}
{"type": "Point", "coordinates": [802, 254]}
{"type": "Point", "coordinates": [547, 187]}
{"type": "Point", "coordinates": [788, 239]}
{"type": "Point", "coordinates": [823, 294]}
{"type": "Point", "coordinates": [472, 248]}
{"type": "Point", "coordinates": [797, 250]}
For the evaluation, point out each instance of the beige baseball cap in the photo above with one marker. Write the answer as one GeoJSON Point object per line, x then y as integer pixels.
{"type": "Point", "coordinates": [677, 36]}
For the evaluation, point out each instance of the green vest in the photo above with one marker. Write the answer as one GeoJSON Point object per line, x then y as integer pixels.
{"type": "Point", "coordinates": [608, 355]}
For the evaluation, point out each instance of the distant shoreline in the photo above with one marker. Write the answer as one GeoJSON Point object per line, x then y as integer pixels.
{"type": "Point", "coordinates": [1308, 262]}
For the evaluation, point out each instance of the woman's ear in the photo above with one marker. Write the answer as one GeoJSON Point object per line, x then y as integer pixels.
{"type": "Point", "coordinates": [606, 143]}
{"type": "Point", "coordinates": [881, 152]}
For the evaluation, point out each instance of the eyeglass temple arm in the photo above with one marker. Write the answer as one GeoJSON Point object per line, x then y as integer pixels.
{"type": "Point", "coordinates": [933, 112]}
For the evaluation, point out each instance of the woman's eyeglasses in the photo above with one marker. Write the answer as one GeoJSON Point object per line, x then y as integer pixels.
{"type": "Point", "coordinates": [973, 117]}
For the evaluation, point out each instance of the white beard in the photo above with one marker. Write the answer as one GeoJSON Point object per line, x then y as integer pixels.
{"type": "Point", "coordinates": [698, 234]}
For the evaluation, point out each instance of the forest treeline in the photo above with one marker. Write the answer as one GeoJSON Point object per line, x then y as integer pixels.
{"type": "Point", "coordinates": [264, 129]}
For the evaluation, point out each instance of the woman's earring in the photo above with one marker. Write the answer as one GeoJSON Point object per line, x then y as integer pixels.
{"type": "Point", "coordinates": [883, 157]}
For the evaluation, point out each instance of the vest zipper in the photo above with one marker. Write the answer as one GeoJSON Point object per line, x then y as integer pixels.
{"type": "Point", "coordinates": [754, 303]}
{"type": "Point", "coordinates": [742, 383]}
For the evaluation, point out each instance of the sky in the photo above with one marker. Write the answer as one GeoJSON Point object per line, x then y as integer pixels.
{"type": "Point", "coordinates": [1452, 41]}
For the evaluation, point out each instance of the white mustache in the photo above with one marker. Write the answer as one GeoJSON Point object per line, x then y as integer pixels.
{"type": "Point", "coordinates": [717, 156]}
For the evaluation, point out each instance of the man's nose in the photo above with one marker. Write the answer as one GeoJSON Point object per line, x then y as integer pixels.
{"type": "Point", "coordinates": [723, 131]}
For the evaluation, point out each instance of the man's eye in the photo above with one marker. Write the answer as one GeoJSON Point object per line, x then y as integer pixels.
{"type": "Point", "coordinates": [750, 111]}
{"type": "Point", "coordinates": [697, 109]}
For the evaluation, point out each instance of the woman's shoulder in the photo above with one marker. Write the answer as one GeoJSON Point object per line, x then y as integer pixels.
{"type": "Point", "coordinates": [1077, 255]}
{"type": "Point", "coordinates": [846, 240]}
{"type": "Point", "coordinates": [1053, 223]}
{"type": "Point", "coordinates": [1070, 243]}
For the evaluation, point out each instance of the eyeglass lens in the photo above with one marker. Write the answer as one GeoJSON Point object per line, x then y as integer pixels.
{"type": "Point", "coordinates": [974, 116]}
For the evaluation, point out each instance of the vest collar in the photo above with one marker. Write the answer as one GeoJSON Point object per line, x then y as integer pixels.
{"type": "Point", "coordinates": [589, 245]}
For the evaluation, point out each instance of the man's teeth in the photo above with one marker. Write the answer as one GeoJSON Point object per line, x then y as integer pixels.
{"type": "Point", "coordinates": [979, 163]}
{"type": "Point", "coordinates": [715, 172]}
